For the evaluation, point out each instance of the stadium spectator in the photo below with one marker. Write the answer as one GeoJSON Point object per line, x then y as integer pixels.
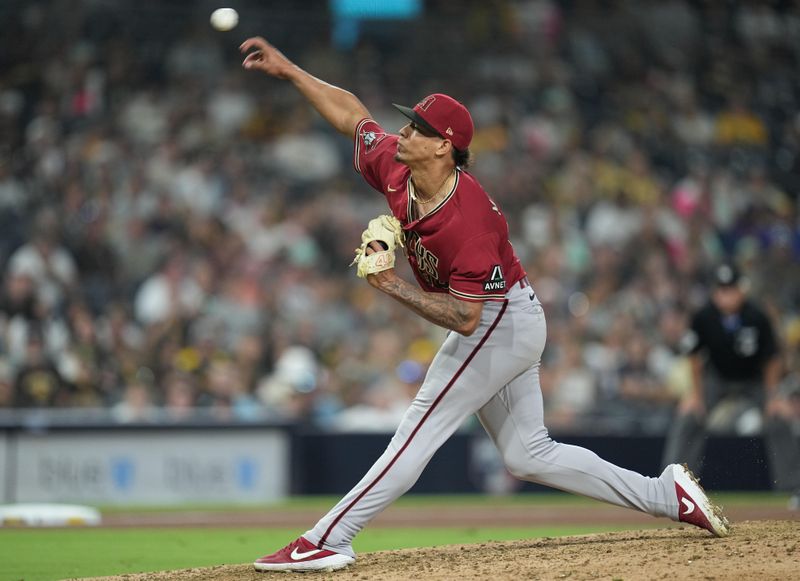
{"type": "Point", "coordinates": [38, 383]}
{"type": "Point", "coordinates": [46, 261]}
{"type": "Point", "coordinates": [171, 206]}
{"type": "Point", "coordinates": [6, 385]}
{"type": "Point", "coordinates": [136, 405]}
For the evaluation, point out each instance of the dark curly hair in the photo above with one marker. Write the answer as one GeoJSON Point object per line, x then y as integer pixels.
{"type": "Point", "coordinates": [462, 157]}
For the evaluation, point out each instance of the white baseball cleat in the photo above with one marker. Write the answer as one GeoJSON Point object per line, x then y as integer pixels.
{"type": "Point", "coordinates": [302, 555]}
{"type": "Point", "coordinates": [694, 506]}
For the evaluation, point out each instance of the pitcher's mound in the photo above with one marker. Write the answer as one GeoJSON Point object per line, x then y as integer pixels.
{"type": "Point", "coordinates": [764, 550]}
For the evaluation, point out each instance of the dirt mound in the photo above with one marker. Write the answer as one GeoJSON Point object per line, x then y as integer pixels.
{"type": "Point", "coordinates": [761, 550]}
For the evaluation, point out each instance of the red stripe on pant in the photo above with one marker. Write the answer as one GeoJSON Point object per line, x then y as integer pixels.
{"type": "Point", "coordinates": [461, 369]}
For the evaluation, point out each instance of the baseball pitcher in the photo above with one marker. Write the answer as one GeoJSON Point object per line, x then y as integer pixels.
{"type": "Point", "coordinates": [470, 281]}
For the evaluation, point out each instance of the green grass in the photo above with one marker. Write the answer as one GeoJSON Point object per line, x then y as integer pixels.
{"type": "Point", "coordinates": [46, 555]}
{"type": "Point", "coordinates": [49, 554]}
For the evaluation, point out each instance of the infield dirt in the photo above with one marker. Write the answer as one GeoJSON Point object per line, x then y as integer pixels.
{"type": "Point", "coordinates": [764, 550]}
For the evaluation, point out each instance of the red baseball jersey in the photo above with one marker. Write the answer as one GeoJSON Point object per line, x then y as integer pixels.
{"type": "Point", "coordinates": [461, 246]}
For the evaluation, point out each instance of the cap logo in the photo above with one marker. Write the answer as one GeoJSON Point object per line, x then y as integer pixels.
{"type": "Point", "coordinates": [725, 274]}
{"type": "Point", "coordinates": [427, 102]}
{"type": "Point", "coordinates": [449, 131]}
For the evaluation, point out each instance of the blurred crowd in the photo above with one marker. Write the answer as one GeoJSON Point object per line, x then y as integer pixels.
{"type": "Point", "coordinates": [176, 232]}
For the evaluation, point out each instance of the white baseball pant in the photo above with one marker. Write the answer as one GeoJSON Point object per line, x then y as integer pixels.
{"type": "Point", "coordinates": [494, 373]}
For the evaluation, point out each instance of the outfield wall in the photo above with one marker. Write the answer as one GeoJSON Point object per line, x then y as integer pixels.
{"type": "Point", "coordinates": [149, 465]}
{"type": "Point", "coordinates": [168, 465]}
{"type": "Point", "coordinates": [468, 462]}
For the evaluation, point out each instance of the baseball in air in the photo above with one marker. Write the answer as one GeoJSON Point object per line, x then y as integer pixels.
{"type": "Point", "coordinates": [224, 18]}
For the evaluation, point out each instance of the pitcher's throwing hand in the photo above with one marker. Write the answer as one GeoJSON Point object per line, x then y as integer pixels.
{"type": "Point", "coordinates": [264, 57]}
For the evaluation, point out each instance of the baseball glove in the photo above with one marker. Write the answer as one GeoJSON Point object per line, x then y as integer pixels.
{"type": "Point", "coordinates": [387, 231]}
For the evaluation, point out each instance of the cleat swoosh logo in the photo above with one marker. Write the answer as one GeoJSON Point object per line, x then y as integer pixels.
{"type": "Point", "coordinates": [688, 504]}
{"type": "Point", "coordinates": [297, 555]}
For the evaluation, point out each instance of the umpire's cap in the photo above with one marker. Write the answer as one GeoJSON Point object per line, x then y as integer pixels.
{"type": "Point", "coordinates": [727, 275]}
{"type": "Point", "coordinates": [444, 116]}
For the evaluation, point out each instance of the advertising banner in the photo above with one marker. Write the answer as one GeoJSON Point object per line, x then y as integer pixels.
{"type": "Point", "coordinates": [152, 467]}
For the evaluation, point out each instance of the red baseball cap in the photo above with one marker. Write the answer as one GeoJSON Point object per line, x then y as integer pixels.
{"type": "Point", "coordinates": [444, 116]}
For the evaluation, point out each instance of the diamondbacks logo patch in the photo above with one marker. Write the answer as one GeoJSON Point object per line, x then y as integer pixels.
{"type": "Point", "coordinates": [496, 280]}
{"type": "Point", "coordinates": [371, 139]}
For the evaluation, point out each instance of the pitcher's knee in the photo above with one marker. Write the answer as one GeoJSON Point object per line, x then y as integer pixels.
{"type": "Point", "coordinates": [531, 470]}
{"type": "Point", "coordinates": [528, 464]}
{"type": "Point", "coordinates": [516, 468]}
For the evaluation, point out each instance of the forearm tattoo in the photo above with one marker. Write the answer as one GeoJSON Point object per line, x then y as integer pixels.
{"type": "Point", "coordinates": [438, 308]}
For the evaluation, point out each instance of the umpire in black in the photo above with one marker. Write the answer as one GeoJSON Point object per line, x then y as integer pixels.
{"type": "Point", "coordinates": [734, 353]}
